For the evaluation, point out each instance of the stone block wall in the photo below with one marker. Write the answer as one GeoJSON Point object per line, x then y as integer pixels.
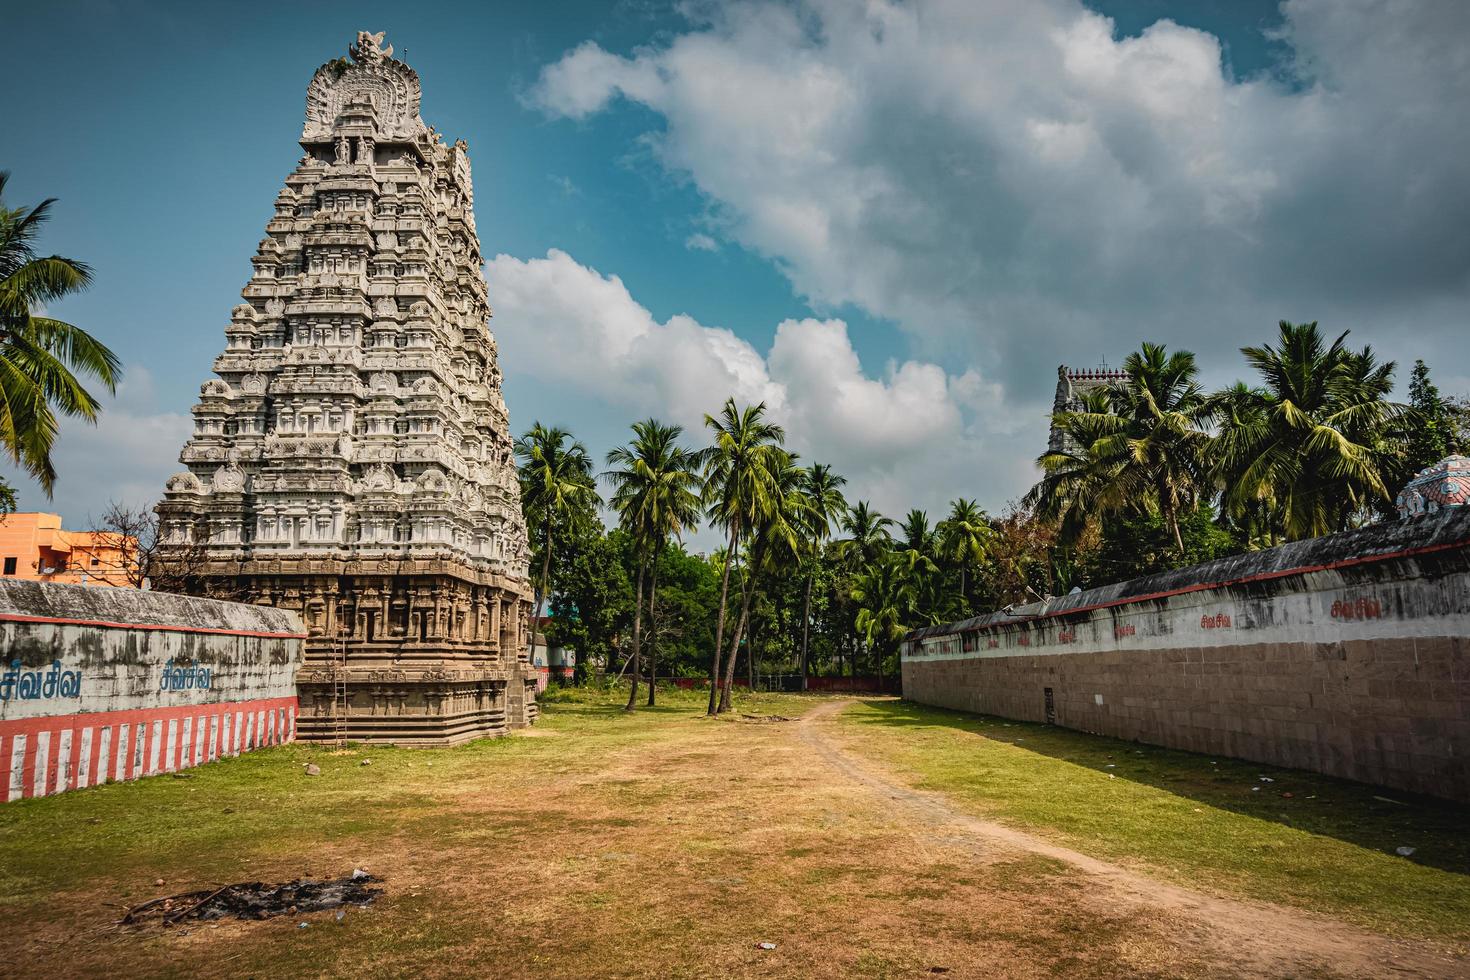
{"type": "Point", "coordinates": [104, 684]}
{"type": "Point", "coordinates": [1348, 655]}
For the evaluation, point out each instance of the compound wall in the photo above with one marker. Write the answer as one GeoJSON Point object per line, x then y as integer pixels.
{"type": "Point", "coordinates": [103, 684]}
{"type": "Point", "coordinates": [1347, 655]}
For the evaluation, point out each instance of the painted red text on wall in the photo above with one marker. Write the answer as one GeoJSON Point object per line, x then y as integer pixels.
{"type": "Point", "coordinates": [1359, 608]}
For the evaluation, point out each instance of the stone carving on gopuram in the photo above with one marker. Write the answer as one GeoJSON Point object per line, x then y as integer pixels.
{"type": "Point", "coordinates": [352, 459]}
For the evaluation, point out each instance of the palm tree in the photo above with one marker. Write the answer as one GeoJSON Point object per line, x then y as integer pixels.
{"type": "Point", "coordinates": [655, 496]}
{"type": "Point", "coordinates": [868, 539]}
{"type": "Point", "coordinates": [38, 354]}
{"type": "Point", "coordinates": [737, 485]}
{"type": "Point", "coordinates": [774, 534]}
{"type": "Point", "coordinates": [1309, 439]}
{"type": "Point", "coordinates": [556, 486]}
{"type": "Point", "coordinates": [867, 535]}
{"type": "Point", "coordinates": [1139, 445]}
{"type": "Point", "coordinates": [917, 546]}
{"type": "Point", "coordinates": [964, 538]}
{"type": "Point", "coordinates": [885, 599]}
{"type": "Point", "coordinates": [822, 490]}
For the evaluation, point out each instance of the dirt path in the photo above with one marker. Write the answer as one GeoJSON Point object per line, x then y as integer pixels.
{"type": "Point", "coordinates": [1258, 938]}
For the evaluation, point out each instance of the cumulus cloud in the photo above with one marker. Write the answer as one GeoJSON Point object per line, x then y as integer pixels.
{"type": "Point", "coordinates": [125, 457]}
{"type": "Point", "coordinates": [700, 242]}
{"type": "Point", "coordinates": [568, 325]}
{"type": "Point", "coordinates": [1016, 185]}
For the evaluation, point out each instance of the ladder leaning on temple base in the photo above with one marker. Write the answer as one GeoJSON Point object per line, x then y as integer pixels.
{"type": "Point", "coordinates": [339, 691]}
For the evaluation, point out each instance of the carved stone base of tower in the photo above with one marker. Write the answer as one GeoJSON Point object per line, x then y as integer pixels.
{"type": "Point", "coordinates": [411, 652]}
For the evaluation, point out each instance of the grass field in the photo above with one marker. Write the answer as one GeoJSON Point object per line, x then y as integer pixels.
{"type": "Point", "coordinates": [667, 844]}
{"type": "Point", "coordinates": [1300, 839]}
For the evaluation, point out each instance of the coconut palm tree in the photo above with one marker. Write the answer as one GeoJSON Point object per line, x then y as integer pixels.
{"type": "Point", "coordinates": [1140, 445]}
{"type": "Point", "coordinates": [655, 493]}
{"type": "Point", "coordinates": [737, 490]}
{"type": "Point", "coordinates": [557, 486]}
{"type": "Point", "coordinates": [1309, 438]}
{"type": "Point", "coordinates": [41, 356]}
{"type": "Point", "coordinates": [885, 600]}
{"type": "Point", "coordinates": [867, 538]}
{"type": "Point", "coordinates": [774, 533]}
{"type": "Point", "coordinates": [918, 545]}
{"type": "Point", "coordinates": [822, 490]}
{"type": "Point", "coordinates": [964, 538]}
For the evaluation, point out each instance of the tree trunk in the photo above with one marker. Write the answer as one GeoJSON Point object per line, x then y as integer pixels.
{"type": "Point", "coordinates": [745, 591]}
{"type": "Point", "coordinates": [750, 659]}
{"type": "Point", "coordinates": [637, 635]}
{"type": "Point", "coordinates": [1171, 516]}
{"type": "Point", "coordinates": [545, 579]}
{"type": "Point", "coordinates": [726, 690]}
{"type": "Point", "coordinates": [806, 622]}
{"type": "Point", "coordinates": [653, 631]}
{"type": "Point", "coordinates": [714, 667]}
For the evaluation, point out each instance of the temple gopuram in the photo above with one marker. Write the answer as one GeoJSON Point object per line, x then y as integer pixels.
{"type": "Point", "coordinates": [352, 458]}
{"type": "Point", "coordinates": [1072, 384]}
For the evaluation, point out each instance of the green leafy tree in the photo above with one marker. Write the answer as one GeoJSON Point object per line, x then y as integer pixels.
{"type": "Point", "coordinates": [885, 606]}
{"type": "Point", "coordinates": [557, 490]}
{"type": "Point", "coordinates": [1433, 434]}
{"type": "Point", "coordinates": [1135, 545]}
{"type": "Point", "coordinates": [964, 540]}
{"type": "Point", "coordinates": [40, 357]}
{"type": "Point", "coordinates": [592, 606]}
{"type": "Point", "coordinates": [737, 491]}
{"type": "Point", "coordinates": [822, 490]}
{"type": "Point", "coordinates": [868, 539]}
{"type": "Point", "coordinates": [774, 525]}
{"type": "Point", "coordinates": [918, 547]}
{"type": "Point", "coordinates": [655, 493]}
{"type": "Point", "coordinates": [868, 536]}
{"type": "Point", "coordinates": [1309, 440]}
{"type": "Point", "coordinates": [683, 624]}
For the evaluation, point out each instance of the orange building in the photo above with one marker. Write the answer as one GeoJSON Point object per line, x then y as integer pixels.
{"type": "Point", "coordinates": [34, 546]}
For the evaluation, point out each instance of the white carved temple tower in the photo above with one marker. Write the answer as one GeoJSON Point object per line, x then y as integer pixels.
{"type": "Point", "coordinates": [352, 460]}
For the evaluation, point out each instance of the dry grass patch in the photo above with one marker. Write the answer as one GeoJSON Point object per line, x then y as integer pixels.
{"type": "Point", "coordinates": [657, 844]}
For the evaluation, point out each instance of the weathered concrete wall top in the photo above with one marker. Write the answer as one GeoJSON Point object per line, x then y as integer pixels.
{"type": "Point", "coordinates": [74, 649]}
{"type": "Point", "coordinates": [20, 600]}
{"type": "Point", "coordinates": [1440, 533]}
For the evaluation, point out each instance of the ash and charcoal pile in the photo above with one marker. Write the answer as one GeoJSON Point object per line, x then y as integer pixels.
{"type": "Point", "coordinates": [258, 900]}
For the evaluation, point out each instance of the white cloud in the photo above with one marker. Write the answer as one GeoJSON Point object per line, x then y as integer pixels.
{"type": "Point", "coordinates": [563, 324]}
{"type": "Point", "coordinates": [125, 457]}
{"type": "Point", "coordinates": [700, 242]}
{"type": "Point", "coordinates": [1015, 186]}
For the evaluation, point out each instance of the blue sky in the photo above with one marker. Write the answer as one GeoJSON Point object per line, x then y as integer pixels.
{"type": "Point", "coordinates": [891, 220]}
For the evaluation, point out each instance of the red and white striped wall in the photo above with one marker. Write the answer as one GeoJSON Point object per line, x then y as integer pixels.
{"type": "Point", "coordinates": [101, 685]}
{"type": "Point", "coordinates": [41, 756]}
